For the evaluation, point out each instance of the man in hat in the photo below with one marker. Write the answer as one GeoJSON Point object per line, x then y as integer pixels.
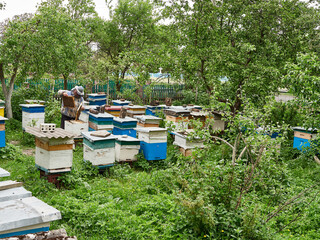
{"type": "Point", "coordinates": [69, 113]}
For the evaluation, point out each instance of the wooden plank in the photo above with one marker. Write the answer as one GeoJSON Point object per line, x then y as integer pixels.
{"type": "Point", "coordinates": [68, 101]}
{"type": "Point", "coordinates": [46, 146]}
{"type": "Point", "coordinates": [4, 173]}
{"type": "Point", "coordinates": [148, 125]}
{"type": "Point", "coordinates": [9, 184]}
{"type": "Point", "coordinates": [2, 127]}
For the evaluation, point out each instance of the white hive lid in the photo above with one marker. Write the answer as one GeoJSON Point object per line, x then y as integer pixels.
{"type": "Point", "coordinates": [126, 119]}
{"type": "Point", "coordinates": [25, 212]}
{"type": "Point", "coordinates": [91, 138]}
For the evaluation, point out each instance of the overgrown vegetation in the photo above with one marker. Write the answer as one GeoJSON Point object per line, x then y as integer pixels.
{"type": "Point", "coordinates": [240, 188]}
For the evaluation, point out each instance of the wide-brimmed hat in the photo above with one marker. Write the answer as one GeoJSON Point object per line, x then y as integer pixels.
{"type": "Point", "coordinates": [79, 90]}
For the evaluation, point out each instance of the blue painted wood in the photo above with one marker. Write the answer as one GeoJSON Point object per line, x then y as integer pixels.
{"type": "Point", "coordinates": [98, 102]}
{"type": "Point", "coordinates": [120, 104]}
{"type": "Point", "coordinates": [300, 143]}
{"type": "Point", "coordinates": [2, 139]}
{"type": "Point", "coordinates": [150, 112]}
{"type": "Point", "coordinates": [2, 122]}
{"type": "Point", "coordinates": [108, 143]}
{"type": "Point", "coordinates": [36, 230]}
{"type": "Point", "coordinates": [101, 117]}
{"type": "Point", "coordinates": [91, 129]}
{"type": "Point", "coordinates": [47, 171]}
{"type": "Point", "coordinates": [153, 151]}
{"type": "Point", "coordinates": [125, 125]}
{"type": "Point", "coordinates": [33, 109]}
{"type": "Point", "coordinates": [101, 121]}
{"type": "Point", "coordinates": [130, 132]}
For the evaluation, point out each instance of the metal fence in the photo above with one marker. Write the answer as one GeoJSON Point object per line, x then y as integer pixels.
{"type": "Point", "coordinates": [158, 91]}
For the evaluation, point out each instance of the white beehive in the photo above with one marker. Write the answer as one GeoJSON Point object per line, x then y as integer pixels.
{"type": "Point", "coordinates": [127, 148]}
{"type": "Point", "coordinates": [24, 215]}
{"type": "Point", "coordinates": [100, 151]}
{"type": "Point", "coordinates": [152, 134]}
{"type": "Point", "coordinates": [54, 150]}
{"type": "Point", "coordinates": [185, 141]}
{"type": "Point", "coordinates": [32, 115]}
{"type": "Point", "coordinates": [76, 127]}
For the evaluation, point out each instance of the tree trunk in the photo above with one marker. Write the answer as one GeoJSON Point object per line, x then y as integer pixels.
{"type": "Point", "coordinates": [65, 82]}
{"type": "Point", "coordinates": [7, 91]}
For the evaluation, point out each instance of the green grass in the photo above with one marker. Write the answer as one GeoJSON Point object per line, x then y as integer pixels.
{"type": "Point", "coordinates": [143, 202]}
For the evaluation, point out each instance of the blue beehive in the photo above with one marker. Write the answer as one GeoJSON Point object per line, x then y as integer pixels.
{"type": "Point", "coordinates": [302, 137]}
{"type": "Point", "coordinates": [153, 110]}
{"type": "Point", "coordinates": [153, 142]}
{"type": "Point", "coordinates": [2, 132]}
{"type": "Point", "coordinates": [97, 99]}
{"type": "Point", "coordinates": [120, 102]}
{"type": "Point", "coordinates": [125, 126]}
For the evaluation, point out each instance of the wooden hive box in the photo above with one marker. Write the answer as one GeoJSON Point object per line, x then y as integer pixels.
{"type": "Point", "coordinates": [153, 110]}
{"type": "Point", "coordinates": [25, 215]}
{"type": "Point", "coordinates": [127, 148]}
{"type": "Point", "coordinates": [2, 111]}
{"type": "Point", "coordinates": [120, 102]}
{"type": "Point", "coordinates": [125, 126]}
{"type": "Point", "coordinates": [136, 109]}
{"type": "Point", "coordinates": [185, 141]}
{"type": "Point", "coordinates": [153, 142]}
{"type": "Point", "coordinates": [97, 99]}
{"type": "Point", "coordinates": [100, 151]}
{"type": "Point", "coordinates": [32, 115]}
{"type": "Point", "coordinates": [54, 150]}
{"type": "Point", "coordinates": [100, 121]}
{"type": "Point", "coordinates": [2, 131]}
{"type": "Point", "coordinates": [148, 121]}
{"type": "Point", "coordinates": [76, 127]}
{"type": "Point", "coordinates": [114, 110]}
{"type": "Point", "coordinates": [303, 137]}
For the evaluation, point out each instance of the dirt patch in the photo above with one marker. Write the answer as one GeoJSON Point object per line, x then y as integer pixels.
{"type": "Point", "coordinates": [15, 142]}
{"type": "Point", "coordinates": [28, 152]}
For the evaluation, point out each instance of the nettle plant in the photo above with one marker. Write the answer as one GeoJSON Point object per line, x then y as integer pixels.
{"type": "Point", "coordinates": [223, 186]}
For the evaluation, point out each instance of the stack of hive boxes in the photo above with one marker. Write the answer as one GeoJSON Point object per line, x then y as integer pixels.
{"type": "Point", "coordinates": [54, 148]}
{"type": "Point", "coordinates": [186, 142]}
{"type": "Point", "coordinates": [2, 131]}
{"type": "Point", "coordinates": [97, 99]}
{"type": "Point", "coordinates": [125, 126]}
{"type": "Point", "coordinates": [135, 110]}
{"type": "Point", "coordinates": [99, 148]}
{"type": "Point", "coordinates": [153, 142]}
{"type": "Point", "coordinates": [303, 137]}
{"type": "Point", "coordinates": [127, 148]}
{"type": "Point", "coordinates": [2, 106]}
{"type": "Point", "coordinates": [148, 121]}
{"type": "Point", "coordinates": [177, 119]}
{"type": "Point", "coordinates": [100, 121]}
{"type": "Point", "coordinates": [121, 102]}
{"type": "Point", "coordinates": [32, 115]}
{"type": "Point", "coordinates": [20, 213]}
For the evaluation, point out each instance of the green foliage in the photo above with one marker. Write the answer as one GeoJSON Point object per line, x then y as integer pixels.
{"type": "Point", "coordinates": [193, 97]}
{"type": "Point", "coordinates": [53, 111]}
